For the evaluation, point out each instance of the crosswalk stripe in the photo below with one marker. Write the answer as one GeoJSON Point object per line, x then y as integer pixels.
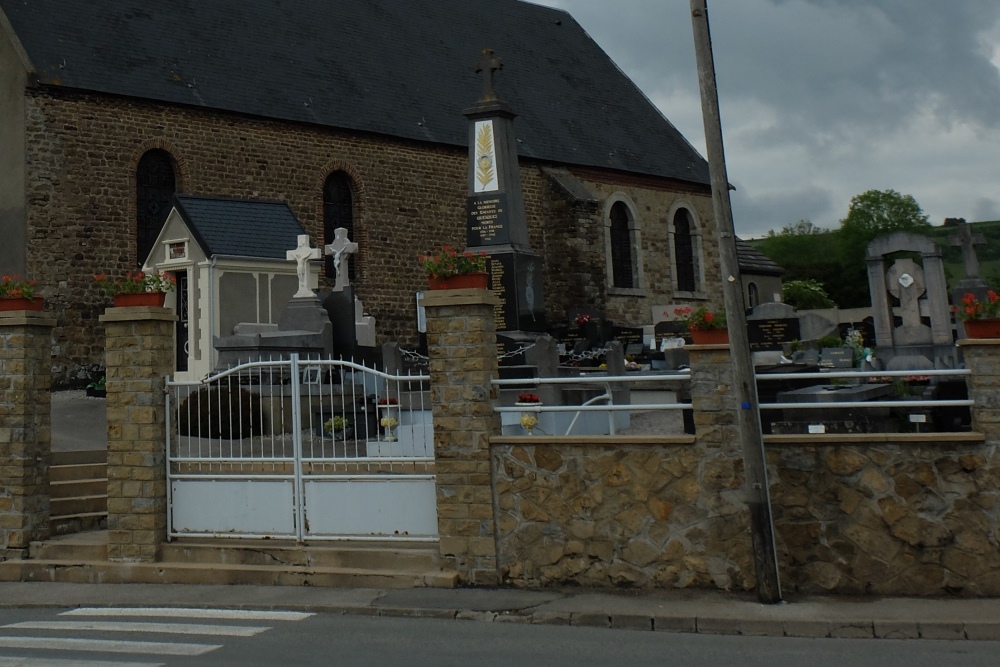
{"type": "Point", "coordinates": [106, 646]}
{"type": "Point", "coordinates": [162, 628]}
{"type": "Point", "coordinates": [13, 661]}
{"type": "Point", "coordinates": [175, 612]}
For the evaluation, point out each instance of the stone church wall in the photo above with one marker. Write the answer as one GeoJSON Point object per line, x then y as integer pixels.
{"type": "Point", "coordinates": [82, 151]}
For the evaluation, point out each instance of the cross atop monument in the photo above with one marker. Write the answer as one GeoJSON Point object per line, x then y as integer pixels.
{"type": "Point", "coordinates": [486, 66]}
{"type": "Point", "coordinates": [341, 248]}
{"type": "Point", "coordinates": [301, 256]}
{"type": "Point", "coordinates": [967, 241]}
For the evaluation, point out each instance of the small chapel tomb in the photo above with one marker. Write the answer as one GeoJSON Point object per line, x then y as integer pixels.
{"type": "Point", "coordinates": [231, 261]}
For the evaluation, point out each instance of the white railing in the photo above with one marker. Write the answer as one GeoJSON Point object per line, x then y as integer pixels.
{"type": "Point", "coordinates": [914, 409]}
{"type": "Point", "coordinates": [603, 402]}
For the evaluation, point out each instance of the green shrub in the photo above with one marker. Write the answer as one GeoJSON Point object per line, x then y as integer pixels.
{"type": "Point", "coordinates": [221, 412]}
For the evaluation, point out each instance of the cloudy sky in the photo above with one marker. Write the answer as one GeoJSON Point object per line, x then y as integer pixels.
{"type": "Point", "coordinates": [824, 99]}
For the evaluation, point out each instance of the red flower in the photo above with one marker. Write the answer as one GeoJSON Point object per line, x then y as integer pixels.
{"type": "Point", "coordinates": [709, 317]}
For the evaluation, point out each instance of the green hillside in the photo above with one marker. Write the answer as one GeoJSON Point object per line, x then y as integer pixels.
{"type": "Point", "coordinates": [988, 253]}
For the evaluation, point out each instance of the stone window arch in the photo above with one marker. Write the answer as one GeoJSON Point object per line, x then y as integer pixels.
{"type": "Point", "coordinates": [155, 185]}
{"type": "Point", "coordinates": [686, 252]}
{"type": "Point", "coordinates": [338, 211]}
{"type": "Point", "coordinates": [622, 240]}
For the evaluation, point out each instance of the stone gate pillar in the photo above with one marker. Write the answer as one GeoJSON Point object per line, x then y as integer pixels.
{"type": "Point", "coordinates": [982, 357]}
{"type": "Point", "coordinates": [462, 346]}
{"type": "Point", "coordinates": [139, 355]}
{"type": "Point", "coordinates": [25, 429]}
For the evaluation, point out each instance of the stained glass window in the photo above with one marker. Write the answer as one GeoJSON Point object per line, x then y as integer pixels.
{"type": "Point", "coordinates": [338, 211]}
{"type": "Point", "coordinates": [621, 247]}
{"type": "Point", "coordinates": [684, 252]}
{"type": "Point", "coordinates": [155, 186]}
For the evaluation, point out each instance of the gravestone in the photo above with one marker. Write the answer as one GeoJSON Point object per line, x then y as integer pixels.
{"type": "Point", "coordinates": [303, 328]}
{"type": "Point", "coordinates": [921, 290]}
{"type": "Point", "coordinates": [972, 283]}
{"type": "Point", "coordinates": [496, 222]}
{"type": "Point", "coordinates": [839, 358]}
{"type": "Point", "coordinates": [353, 330]}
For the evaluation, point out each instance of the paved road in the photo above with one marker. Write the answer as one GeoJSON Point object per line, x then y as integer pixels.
{"type": "Point", "coordinates": [89, 637]}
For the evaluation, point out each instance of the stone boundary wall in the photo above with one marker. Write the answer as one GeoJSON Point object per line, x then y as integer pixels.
{"type": "Point", "coordinates": [912, 516]}
{"type": "Point", "coordinates": [601, 514]}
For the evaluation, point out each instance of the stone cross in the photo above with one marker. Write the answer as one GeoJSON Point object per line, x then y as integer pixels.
{"type": "Point", "coordinates": [968, 242]}
{"type": "Point", "coordinates": [340, 247]}
{"type": "Point", "coordinates": [486, 66]}
{"type": "Point", "coordinates": [301, 256]}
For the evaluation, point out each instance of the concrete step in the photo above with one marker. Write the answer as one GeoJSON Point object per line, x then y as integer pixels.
{"type": "Point", "coordinates": [75, 571]}
{"type": "Point", "coordinates": [62, 507]}
{"type": "Point", "coordinates": [369, 556]}
{"type": "Point", "coordinates": [78, 523]}
{"type": "Point", "coordinates": [74, 471]}
{"type": "Point", "coordinates": [83, 486]}
{"type": "Point", "coordinates": [79, 457]}
{"type": "Point", "coordinates": [92, 546]}
{"type": "Point", "coordinates": [82, 558]}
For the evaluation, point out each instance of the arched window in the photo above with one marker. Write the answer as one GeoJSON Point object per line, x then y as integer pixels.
{"type": "Point", "coordinates": [621, 247]}
{"type": "Point", "coordinates": [155, 184]}
{"type": "Point", "coordinates": [753, 295]}
{"type": "Point", "coordinates": [684, 259]}
{"type": "Point", "coordinates": [338, 211]}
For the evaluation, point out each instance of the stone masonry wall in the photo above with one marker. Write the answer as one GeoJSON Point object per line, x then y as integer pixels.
{"type": "Point", "coordinates": [25, 430]}
{"type": "Point", "coordinates": [653, 516]}
{"type": "Point", "coordinates": [889, 518]}
{"type": "Point", "coordinates": [409, 196]}
{"type": "Point", "coordinates": [611, 513]}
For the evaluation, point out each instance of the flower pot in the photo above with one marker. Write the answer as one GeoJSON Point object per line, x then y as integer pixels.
{"type": "Point", "coordinates": [154, 299]}
{"type": "Point", "coordinates": [463, 281]}
{"type": "Point", "coordinates": [20, 303]}
{"type": "Point", "coordinates": [982, 328]}
{"type": "Point", "coordinates": [710, 336]}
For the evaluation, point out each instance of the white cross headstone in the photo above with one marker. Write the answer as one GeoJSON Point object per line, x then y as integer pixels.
{"type": "Point", "coordinates": [301, 255]}
{"type": "Point", "coordinates": [341, 249]}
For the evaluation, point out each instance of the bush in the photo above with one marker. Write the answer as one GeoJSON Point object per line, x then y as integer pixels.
{"type": "Point", "coordinates": [805, 295]}
{"type": "Point", "coordinates": [221, 412]}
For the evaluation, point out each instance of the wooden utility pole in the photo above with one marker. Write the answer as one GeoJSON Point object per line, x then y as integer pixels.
{"type": "Point", "coordinates": [758, 496]}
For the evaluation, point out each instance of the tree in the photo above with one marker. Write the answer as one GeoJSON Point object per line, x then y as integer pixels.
{"type": "Point", "coordinates": [871, 214]}
{"type": "Point", "coordinates": [805, 295]}
{"type": "Point", "coordinates": [800, 228]}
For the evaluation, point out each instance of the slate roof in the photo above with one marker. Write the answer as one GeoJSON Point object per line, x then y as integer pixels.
{"type": "Point", "coordinates": [240, 227]}
{"type": "Point", "coordinates": [403, 68]}
{"type": "Point", "coordinates": [754, 261]}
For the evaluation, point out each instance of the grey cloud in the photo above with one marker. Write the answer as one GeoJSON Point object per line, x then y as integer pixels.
{"type": "Point", "coordinates": [754, 216]}
{"type": "Point", "coordinates": [985, 209]}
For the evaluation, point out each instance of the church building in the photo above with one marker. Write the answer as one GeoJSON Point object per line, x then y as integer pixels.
{"type": "Point", "coordinates": [351, 112]}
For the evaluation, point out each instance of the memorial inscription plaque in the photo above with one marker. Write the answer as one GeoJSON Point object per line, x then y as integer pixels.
{"type": "Point", "coordinates": [487, 222]}
{"type": "Point", "coordinates": [768, 335]}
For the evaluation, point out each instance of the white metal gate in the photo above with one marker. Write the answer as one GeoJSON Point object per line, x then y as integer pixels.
{"type": "Point", "coordinates": [303, 450]}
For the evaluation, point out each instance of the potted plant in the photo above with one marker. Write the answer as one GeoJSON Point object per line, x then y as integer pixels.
{"type": "Point", "coordinates": [450, 269]}
{"type": "Point", "coordinates": [389, 423]}
{"type": "Point", "coordinates": [981, 318]}
{"type": "Point", "coordinates": [98, 389]}
{"type": "Point", "coordinates": [137, 288]}
{"type": "Point", "coordinates": [704, 326]}
{"type": "Point", "coordinates": [18, 294]}
{"type": "Point", "coordinates": [336, 425]}
{"type": "Point", "coordinates": [525, 398]}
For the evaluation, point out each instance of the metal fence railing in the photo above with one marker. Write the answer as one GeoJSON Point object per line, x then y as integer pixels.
{"type": "Point", "coordinates": [612, 399]}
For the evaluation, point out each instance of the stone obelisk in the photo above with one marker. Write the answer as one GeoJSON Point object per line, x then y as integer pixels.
{"type": "Point", "coordinates": [496, 222]}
